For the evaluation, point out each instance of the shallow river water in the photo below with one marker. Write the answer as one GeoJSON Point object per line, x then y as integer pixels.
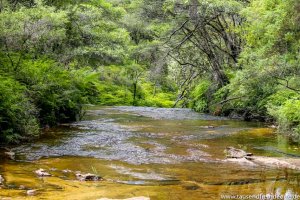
{"type": "Point", "coordinates": [170, 154]}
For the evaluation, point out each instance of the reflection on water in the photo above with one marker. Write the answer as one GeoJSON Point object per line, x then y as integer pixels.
{"type": "Point", "coordinates": [160, 153]}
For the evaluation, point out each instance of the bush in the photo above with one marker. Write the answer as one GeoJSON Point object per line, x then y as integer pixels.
{"type": "Point", "coordinates": [57, 93]}
{"type": "Point", "coordinates": [199, 101]}
{"type": "Point", "coordinates": [116, 88]}
{"type": "Point", "coordinates": [53, 90]}
{"type": "Point", "coordinates": [163, 100]}
{"type": "Point", "coordinates": [111, 95]}
{"type": "Point", "coordinates": [18, 119]}
{"type": "Point", "coordinates": [155, 96]}
{"type": "Point", "coordinates": [284, 106]}
{"type": "Point", "coordinates": [42, 93]}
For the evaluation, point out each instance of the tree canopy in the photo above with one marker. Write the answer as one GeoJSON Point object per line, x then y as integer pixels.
{"type": "Point", "coordinates": [231, 58]}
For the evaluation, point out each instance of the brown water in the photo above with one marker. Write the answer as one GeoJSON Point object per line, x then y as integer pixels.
{"type": "Point", "coordinates": [152, 152]}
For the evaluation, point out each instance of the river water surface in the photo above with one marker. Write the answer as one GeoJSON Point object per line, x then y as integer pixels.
{"type": "Point", "coordinates": [153, 152]}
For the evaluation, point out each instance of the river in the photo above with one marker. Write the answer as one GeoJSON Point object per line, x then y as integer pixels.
{"type": "Point", "coordinates": [172, 154]}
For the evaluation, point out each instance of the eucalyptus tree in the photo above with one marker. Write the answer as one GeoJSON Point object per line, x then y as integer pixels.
{"type": "Point", "coordinates": [204, 41]}
{"type": "Point", "coordinates": [268, 84]}
{"type": "Point", "coordinates": [30, 32]}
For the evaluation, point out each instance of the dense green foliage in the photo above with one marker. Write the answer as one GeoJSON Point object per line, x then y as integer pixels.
{"type": "Point", "coordinates": [56, 56]}
{"type": "Point", "coordinates": [130, 85]}
{"type": "Point", "coordinates": [236, 57]}
{"type": "Point", "coordinates": [17, 118]}
{"type": "Point", "coordinates": [268, 84]}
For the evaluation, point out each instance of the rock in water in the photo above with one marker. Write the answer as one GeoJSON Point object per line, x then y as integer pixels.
{"type": "Point", "coordinates": [133, 198]}
{"type": "Point", "coordinates": [88, 177]}
{"type": "Point", "coordinates": [10, 155]}
{"type": "Point", "coordinates": [232, 152]}
{"type": "Point", "coordinates": [31, 192]}
{"type": "Point", "coordinates": [66, 171]}
{"type": "Point", "coordinates": [22, 187]}
{"type": "Point", "coordinates": [42, 172]}
{"type": "Point", "coordinates": [290, 163]}
{"type": "Point", "coordinates": [207, 127]}
{"type": "Point", "coordinates": [242, 157]}
{"type": "Point", "coordinates": [1, 180]}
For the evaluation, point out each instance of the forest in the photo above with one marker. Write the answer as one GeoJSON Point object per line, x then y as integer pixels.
{"type": "Point", "coordinates": [235, 58]}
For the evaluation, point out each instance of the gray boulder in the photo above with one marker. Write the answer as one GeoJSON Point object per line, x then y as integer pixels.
{"type": "Point", "coordinates": [88, 177]}
{"type": "Point", "coordinates": [232, 152]}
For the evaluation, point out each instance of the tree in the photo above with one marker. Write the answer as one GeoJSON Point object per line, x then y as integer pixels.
{"type": "Point", "coordinates": [207, 31]}
{"type": "Point", "coordinates": [269, 80]}
{"type": "Point", "coordinates": [30, 31]}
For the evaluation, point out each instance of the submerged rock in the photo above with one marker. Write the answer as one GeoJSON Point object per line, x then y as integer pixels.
{"type": "Point", "coordinates": [189, 186]}
{"type": "Point", "coordinates": [22, 187]}
{"type": "Point", "coordinates": [31, 192]}
{"type": "Point", "coordinates": [66, 171]}
{"type": "Point", "coordinates": [42, 172]}
{"type": "Point", "coordinates": [133, 198]}
{"type": "Point", "coordinates": [207, 127]}
{"type": "Point", "coordinates": [232, 152]}
{"type": "Point", "coordinates": [290, 163]}
{"type": "Point", "coordinates": [242, 161]}
{"type": "Point", "coordinates": [88, 177]}
{"type": "Point", "coordinates": [1, 180]}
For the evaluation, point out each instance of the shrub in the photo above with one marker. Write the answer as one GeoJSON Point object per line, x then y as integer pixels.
{"type": "Point", "coordinates": [110, 94]}
{"type": "Point", "coordinates": [57, 93]}
{"type": "Point", "coordinates": [199, 101]}
{"type": "Point", "coordinates": [18, 119]}
{"type": "Point", "coordinates": [287, 114]}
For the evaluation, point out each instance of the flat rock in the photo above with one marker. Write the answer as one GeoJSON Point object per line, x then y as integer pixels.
{"type": "Point", "coordinates": [244, 158]}
{"type": "Point", "coordinates": [42, 173]}
{"type": "Point", "coordinates": [88, 177]}
{"type": "Point", "coordinates": [133, 198]}
{"type": "Point", "coordinates": [232, 152]}
{"type": "Point", "coordinates": [241, 161]}
{"type": "Point", "coordinates": [31, 192]}
{"type": "Point", "coordinates": [290, 163]}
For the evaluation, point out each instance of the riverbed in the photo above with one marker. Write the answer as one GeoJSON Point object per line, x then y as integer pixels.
{"type": "Point", "coordinates": [158, 153]}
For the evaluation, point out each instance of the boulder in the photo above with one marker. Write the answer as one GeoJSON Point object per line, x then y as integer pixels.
{"type": "Point", "coordinates": [10, 155]}
{"type": "Point", "coordinates": [232, 152]}
{"type": "Point", "coordinates": [42, 173]}
{"type": "Point", "coordinates": [88, 177]}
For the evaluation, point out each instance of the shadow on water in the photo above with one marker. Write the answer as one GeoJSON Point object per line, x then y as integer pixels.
{"type": "Point", "coordinates": [156, 152]}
